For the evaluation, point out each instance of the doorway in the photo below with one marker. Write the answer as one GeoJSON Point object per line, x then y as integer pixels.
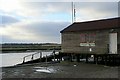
{"type": "Point", "coordinates": [113, 43]}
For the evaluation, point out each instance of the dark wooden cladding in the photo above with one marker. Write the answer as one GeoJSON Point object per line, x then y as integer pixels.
{"type": "Point", "coordinates": [96, 32]}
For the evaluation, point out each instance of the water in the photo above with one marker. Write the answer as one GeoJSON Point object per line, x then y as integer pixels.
{"type": "Point", "coordinates": [45, 69]}
{"type": "Point", "coordinates": [11, 59]}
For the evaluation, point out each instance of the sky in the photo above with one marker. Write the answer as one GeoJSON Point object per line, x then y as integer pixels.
{"type": "Point", "coordinates": [36, 21]}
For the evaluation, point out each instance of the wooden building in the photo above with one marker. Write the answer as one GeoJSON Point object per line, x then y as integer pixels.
{"type": "Point", "coordinates": [99, 37]}
{"type": "Point", "coordinates": [92, 37]}
{"type": "Point", "coordinates": [92, 41]}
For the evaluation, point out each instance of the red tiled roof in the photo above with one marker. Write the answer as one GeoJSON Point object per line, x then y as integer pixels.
{"type": "Point", "coordinates": [93, 25]}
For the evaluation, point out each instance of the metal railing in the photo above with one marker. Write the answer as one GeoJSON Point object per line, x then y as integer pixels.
{"type": "Point", "coordinates": [32, 56]}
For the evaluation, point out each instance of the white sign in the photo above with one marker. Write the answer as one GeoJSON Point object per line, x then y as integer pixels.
{"type": "Point", "coordinates": [87, 44]}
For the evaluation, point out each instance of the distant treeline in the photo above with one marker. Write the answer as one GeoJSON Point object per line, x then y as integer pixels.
{"type": "Point", "coordinates": [29, 46]}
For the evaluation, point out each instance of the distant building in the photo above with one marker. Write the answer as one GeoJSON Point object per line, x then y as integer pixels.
{"type": "Point", "coordinates": [92, 37]}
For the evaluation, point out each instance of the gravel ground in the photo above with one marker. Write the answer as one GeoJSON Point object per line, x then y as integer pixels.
{"type": "Point", "coordinates": [60, 70]}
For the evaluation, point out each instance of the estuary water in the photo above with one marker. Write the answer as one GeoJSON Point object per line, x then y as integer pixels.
{"type": "Point", "coordinates": [11, 59]}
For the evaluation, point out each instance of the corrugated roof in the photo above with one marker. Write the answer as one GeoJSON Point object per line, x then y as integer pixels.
{"type": "Point", "coordinates": [93, 25]}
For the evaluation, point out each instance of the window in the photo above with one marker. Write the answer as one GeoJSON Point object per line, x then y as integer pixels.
{"type": "Point", "coordinates": [82, 38]}
{"type": "Point", "coordinates": [85, 37]}
{"type": "Point", "coordinates": [92, 37]}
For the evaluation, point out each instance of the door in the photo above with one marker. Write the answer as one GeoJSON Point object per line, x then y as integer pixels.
{"type": "Point", "coordinates": [113, 43]}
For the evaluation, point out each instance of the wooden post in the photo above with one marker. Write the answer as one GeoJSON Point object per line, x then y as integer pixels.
{"type": "Point", "coordinates": [57, 58]}
{"type": "Point", "coordinates": [94, 58]}
{"type": "Point", "coordinates": [113, 60]}
{"type": "Point", "coordinates": [102, 59]}
{"type": "Point", "coordinates": [24, 60]}
{"type": "Point", "coordinates": [105, 59]}
{"type": "Point", "coordinates": [46, 59]}
{"type": "Point", "coordinates": [32, 57]}
{"type": "Point", "coordinates": [54, 54]}
{"type": "Point", "coordinates": [40, 56]}
{"type": "Point", "coordinates": [86, 58]}
{"type": "Point", "coordinates": [78, 57]}
{"type": "Point", "coordinates": [71, 58]}
{"type": "Point", "coordinates": [60, 56]}
{"type": "Point", "coordinates": [109, 61]}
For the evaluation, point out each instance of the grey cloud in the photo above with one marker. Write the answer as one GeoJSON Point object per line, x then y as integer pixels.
{"type": "Point", "coordinates": [110, 8]}
{"type": "Point", "coordinates": [8, 19]}
{"type": "Point", "coordinates": [44, 6]}
{"type": "Point", "coordinates": [44, 31]}
{"type": "Point", "coordinates": [99, 6]}
{"type": "Point", "coordinates": [66, 6]}
{"type": "Point", "coordinates": [72, 0]}
{"type": "Point", "coordinates": [8, 39]}
{"type": "Point", "coordinates": [51, 29]}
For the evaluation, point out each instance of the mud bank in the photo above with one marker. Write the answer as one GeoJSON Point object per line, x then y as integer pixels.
{"type": "Point", "coordinates": [60, 70]}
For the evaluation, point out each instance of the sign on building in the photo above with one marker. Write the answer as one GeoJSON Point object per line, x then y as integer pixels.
{"type": "Point", "coordinates": [87, 44]}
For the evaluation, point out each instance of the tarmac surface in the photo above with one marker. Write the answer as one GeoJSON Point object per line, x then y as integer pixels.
{"type": "Point", "coordinates": [60, 70]}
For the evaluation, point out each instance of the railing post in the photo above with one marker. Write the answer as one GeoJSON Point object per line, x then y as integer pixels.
{"type": "Point", "coordinates": [40, 56]}
{"type": "Point", "coordinates": [23, 59]}
{"type": "Point", "coordinates": [32, 57]}
{"type": "Point", "coordinates": [46, 59]}
{"type": "Point", "coordinates": [54, 54]}
{"type": "Point", "coordinates": [86, 58]}
{"type": "Point", "coordinates": [60, 56]}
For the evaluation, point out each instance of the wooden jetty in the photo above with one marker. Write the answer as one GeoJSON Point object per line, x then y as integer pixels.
{"type": "Point", "coordinates": [102, 59]}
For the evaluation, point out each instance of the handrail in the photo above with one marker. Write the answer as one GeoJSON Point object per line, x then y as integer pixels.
{"type": "Point", "coordinates": [40, 56]}
{"type": "Point", "coordinates": [32, 56]}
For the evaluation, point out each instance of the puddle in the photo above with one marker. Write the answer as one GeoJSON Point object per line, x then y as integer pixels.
{"type": "Point", "coordinates": [45, 69]}
{"type": "Point", "coordinates": [41, 70]}
{"type": "Point", "coordinates": [106, 66]}
{"type": "Point", "coordinates": [39, 67]}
